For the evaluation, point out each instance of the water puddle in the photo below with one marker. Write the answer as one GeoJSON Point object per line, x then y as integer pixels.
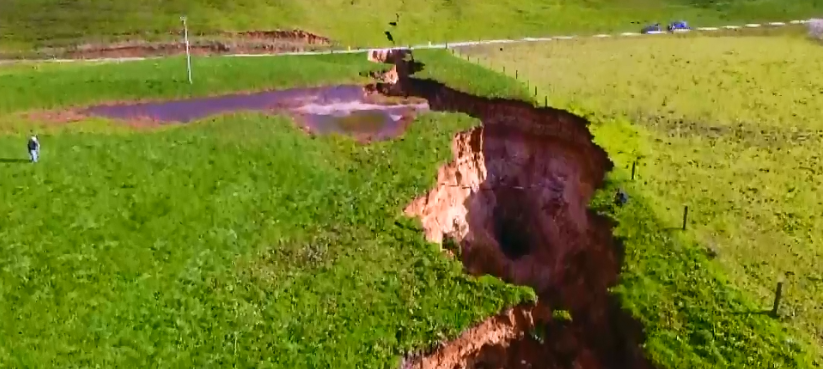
{"type": "Point", "coordinates": [362, 120]}
{"type": "Point", "coordinates": [342, 109]}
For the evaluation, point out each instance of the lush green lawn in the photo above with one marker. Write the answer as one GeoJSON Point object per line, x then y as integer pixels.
{"type": "Point", "coordinates": [729, 127]}
{"type": "Point", "coordinates": [31, 23]}
{"type": "Point", "coordinates": [237, 240]}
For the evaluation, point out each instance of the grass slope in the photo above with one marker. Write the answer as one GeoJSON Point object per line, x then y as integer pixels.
{"type": "Point", "coordinates": [234, 241]}
{"type": "Point", "coordinates": [727, 126]}
{"type": "Point", "coordinates": [32, 23]}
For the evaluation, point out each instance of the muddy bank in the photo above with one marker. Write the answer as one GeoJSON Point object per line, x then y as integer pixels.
{"type": "Point", "coordinates": [515, 199]}
{"type": "Point", "coordinates": [342, 109]}
{"type": "Point", "coordinates": [248, 42]}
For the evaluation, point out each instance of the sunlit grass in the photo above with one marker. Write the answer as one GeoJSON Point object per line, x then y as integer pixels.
{"type": "Point", "coordinates": [238, 240]}
{"type": "Point", "coordinates": [234, 241]}
{"type": "Point", "coordinates": [30, 23]}
{"type": "Point", "coordinates": [728, 126]}
{"type": "Point", "coordinates": [754, 81]}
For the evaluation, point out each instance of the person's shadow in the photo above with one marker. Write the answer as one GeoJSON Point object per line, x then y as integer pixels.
{"type": "Point", "coordinates": [13, 160]}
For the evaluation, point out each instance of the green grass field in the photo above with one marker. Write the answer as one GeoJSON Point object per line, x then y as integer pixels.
{"type": "Point", "coordinates": [25, 24]}
{"type": "Point", "coordinates": [237, 240]}
{"type": "Point", "coordinates": [728, 126]}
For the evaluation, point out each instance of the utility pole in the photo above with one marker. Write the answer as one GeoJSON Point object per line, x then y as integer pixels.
{"type": "Point", "coordinates": [186, 40]}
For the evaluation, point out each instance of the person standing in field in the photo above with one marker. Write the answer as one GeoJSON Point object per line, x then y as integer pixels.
{"type": "Point", "coordinates": [34, 148]}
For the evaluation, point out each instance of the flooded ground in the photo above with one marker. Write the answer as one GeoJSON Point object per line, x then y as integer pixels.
{"type": "Point", "coordinates": [342, 109]}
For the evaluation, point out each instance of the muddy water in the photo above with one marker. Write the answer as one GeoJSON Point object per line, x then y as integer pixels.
{"type": "Point", "coordinates": [358, 119]}
{"type": "Point", "coordinates": [515, 197]}
{"type": "Point", "coordinates": [338, 109]}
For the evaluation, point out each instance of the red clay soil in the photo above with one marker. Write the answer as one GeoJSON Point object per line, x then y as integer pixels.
{"type": "Point", "coordinates": [248, 42]}
{"type": "Point", "coordinates": [516, 198]}
{"type": "Point", "coordinates": [279, 35]}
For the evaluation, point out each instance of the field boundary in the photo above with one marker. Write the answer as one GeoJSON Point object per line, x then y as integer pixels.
{"type": "Point", "coordinates": [431, 45]}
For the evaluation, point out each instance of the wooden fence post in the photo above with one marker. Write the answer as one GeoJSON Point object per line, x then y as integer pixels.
{"type": "Point", "coordinates": [777, 295]}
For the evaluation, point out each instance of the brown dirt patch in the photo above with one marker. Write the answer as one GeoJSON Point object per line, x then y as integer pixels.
{"type": "Point", "coordinates": [248, 42]}
{"type": "Point", "coordinates": [62, 117]}
{"type": "Point", "coordinates": [55, 116]}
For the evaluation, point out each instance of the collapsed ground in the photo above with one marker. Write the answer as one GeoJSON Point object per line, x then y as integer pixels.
{"type": "Point", "coordinates": [302, 275]}
{"type": "Point", "coordinates": [515, 198]}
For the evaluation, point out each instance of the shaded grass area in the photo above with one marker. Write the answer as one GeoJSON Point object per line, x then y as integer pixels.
{"type": "Point", "coordinates": [233, 241]}
{"type": "Point", "coordinates": [728, 127]}
{"type": "Point", "coordinates": [36, 23]}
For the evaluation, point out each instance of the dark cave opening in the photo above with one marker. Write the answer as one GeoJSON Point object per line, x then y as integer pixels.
{"type": "Point", "coordinates": [511, 229]}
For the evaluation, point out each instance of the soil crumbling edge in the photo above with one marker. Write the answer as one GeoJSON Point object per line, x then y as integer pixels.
{"type": "Point", "coordinates": [515, 198]}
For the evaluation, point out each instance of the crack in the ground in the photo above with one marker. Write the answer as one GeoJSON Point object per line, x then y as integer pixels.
{"type": "Point", "coordinates": [516, 198]}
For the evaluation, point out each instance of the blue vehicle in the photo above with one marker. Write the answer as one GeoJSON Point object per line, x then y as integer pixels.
{"type": "Point", "coordinates": [654, 28]}
{"type": "Point", "coordinates": [677, 26]}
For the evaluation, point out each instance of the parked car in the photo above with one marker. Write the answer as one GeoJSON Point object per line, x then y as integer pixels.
{"type": "Point", "coordinates": [678, 25]}
{"type": "Point", "coordinates": [652, 29]}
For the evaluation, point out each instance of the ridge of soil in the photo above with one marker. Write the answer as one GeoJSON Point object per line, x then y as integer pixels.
{"type": "Point", "coordinates": [515, 198]}
{"type": "Point", "coordinates": [497, 332]}
{"type": "Point", "coordinates": [247, 42]}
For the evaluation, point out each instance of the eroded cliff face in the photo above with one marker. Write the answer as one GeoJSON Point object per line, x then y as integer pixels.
{"type": "Point", "coordinates": [398, 58]}
{"type": "Point", "coordinates": [516, 204]}
{"type": "Point", "coordinates": [515, 198]}
{"type": "Point", "coordinates": [483, 344]}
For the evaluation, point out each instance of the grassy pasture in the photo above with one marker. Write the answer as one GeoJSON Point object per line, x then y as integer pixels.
{"type": "Point", "coordinates": [25, 24]}
{"type": "Point", "coordinates": [728, 126]}
{"type": "Point", "coordinates": [233, 241]}
{"type": "Point", "coordinates": [238, 240]}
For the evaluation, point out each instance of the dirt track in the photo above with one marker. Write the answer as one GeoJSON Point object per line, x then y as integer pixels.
{"type": "Point", "coordinates": [515, 198]}
{"type": "Point", "coordinates": [250, 42]}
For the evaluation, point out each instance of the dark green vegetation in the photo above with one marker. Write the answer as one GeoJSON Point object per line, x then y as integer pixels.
{"type": "Point", "coordinates": [237, 240]}
{"type": "Point", "coordinates": [25, 24]}
{"type": "Point", "coordinates": [730, 127]}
